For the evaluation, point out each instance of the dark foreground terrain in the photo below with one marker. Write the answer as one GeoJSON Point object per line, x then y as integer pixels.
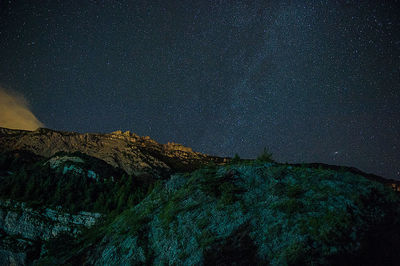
{"type": "Point", "coordinates": [138, 202]}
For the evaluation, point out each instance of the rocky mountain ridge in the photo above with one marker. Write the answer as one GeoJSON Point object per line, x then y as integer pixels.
{"type": "Point", "coordinates": [125, 150]}
{"type": "Point", "coordinates": [206, 211]}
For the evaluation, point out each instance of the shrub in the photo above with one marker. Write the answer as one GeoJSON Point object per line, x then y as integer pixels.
{"type": "Point", "coordinates": [237, 249]}
{"type": "Point", "coordinates": [236, 159]}
{"type": "Point", "coordinates": [294, 191]}
{"type": "Point", "coordinates": [265, 157]}
{"type": "Point", "coordinates": [219, 186]}
{"type": "Point", "coordinates": [289, 206]}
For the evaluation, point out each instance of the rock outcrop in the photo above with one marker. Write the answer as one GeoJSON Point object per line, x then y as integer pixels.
{"type": "Point", "coordinates": [246, 212]}
{"type": "Point", "coordinates": [125, 150]}
{"type": "Point", "coordinates": [17, 219]}
{"type": "Point", "coordinates": [23, 229]}
{"type": "Point", "coordinates": [256, 214]}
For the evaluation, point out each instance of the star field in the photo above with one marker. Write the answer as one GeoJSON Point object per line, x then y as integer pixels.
{"type": "Point", "coordinates": [314, 81]}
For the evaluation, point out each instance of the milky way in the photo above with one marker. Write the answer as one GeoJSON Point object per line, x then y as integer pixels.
{"type": "Point", "coordinates": [314, 81]}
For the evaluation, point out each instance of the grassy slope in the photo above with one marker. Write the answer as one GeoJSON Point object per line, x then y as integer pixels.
{"type": "Point", "coordinates": [253, 213]}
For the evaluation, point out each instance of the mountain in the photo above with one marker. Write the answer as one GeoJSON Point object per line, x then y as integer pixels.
{"type": "Point", "coordinates": [120, 199]}
{"type": "Point", "coordinates": [250, 213]}
{"type": "Point", "coordinates": [125, 150]}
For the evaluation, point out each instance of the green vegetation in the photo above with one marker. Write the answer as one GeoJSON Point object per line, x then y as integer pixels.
{"type": "Point", "coordinates": [13, 160]}
{"type": "Point", "coordinates": [237, 249]}
{"type": "Point", "coordinates": [222, 187]}
{"type": "Point", "coordinates": [236, 159]}
{"type": "Point", "coordinates": [258, 213]}
{"type": "Point", "coordinates": [245, 213]}
{"type": "Point", "coordinates": [40, 185]}
{"type": "Point", "coordinates": [91, 163]}
{"type": "Point", "coordinates": [265, 157]}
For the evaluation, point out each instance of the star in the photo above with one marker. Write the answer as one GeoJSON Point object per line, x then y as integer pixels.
{"type": "Point", "coordinates": [317, 81]}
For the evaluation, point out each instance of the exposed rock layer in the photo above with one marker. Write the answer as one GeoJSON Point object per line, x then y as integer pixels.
{"type": "Point", "coordinates": [17, 219]}
{"type": "Point", "coordinates": [23, 229]}
{"type": "Point", "coordinates": [126, 150]}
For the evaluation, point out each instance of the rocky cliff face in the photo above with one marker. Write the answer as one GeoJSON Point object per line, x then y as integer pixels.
{"type": "Point", "coordinates": [243, 212]}
{"type": "Point", "coordinates": [23, 229]}
{"type": "Point", "coordinates": [126, 150]}
{"type": "Point", "coordinates": [256, 214]}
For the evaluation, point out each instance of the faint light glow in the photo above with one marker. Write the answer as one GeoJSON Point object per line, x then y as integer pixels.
{"type": "Point", "coordinates": [15, 113]}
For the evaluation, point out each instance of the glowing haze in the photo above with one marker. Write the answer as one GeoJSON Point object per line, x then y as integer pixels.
{"type": "Point", "coordinates": [15, 113]}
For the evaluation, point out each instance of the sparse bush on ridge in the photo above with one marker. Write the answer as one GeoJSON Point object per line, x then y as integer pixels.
{"type": "Point", "coordinates": [265, 157]}
{"type": "Point", "coordinates": [236, 159]}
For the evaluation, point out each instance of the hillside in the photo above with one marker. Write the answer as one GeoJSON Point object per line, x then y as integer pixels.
{"type": "Point", "coordinates": [77, 199]}
{"type": "Point", "coordinates": [251, 214]}
{"type": "Point", "coordinates": [128, 151]}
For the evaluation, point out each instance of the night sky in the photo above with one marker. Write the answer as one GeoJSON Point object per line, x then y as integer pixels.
{"type": "Point", "coordinates": [313, 81]}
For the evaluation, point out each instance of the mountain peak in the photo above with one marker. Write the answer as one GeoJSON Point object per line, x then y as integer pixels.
{"type": "Point", "coordinates": [125, 150]}
{"type": "Point", "coordinates": [126, 133]}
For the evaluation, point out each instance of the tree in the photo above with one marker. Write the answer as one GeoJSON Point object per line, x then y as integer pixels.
{"type": "Point", "coordinates": [265, 157]}
{"type": "Point", "coordinates": [236, 159]}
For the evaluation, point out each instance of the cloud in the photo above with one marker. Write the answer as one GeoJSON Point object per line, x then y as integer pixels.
{"type": "Point", "coordinates": [15, 113]}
